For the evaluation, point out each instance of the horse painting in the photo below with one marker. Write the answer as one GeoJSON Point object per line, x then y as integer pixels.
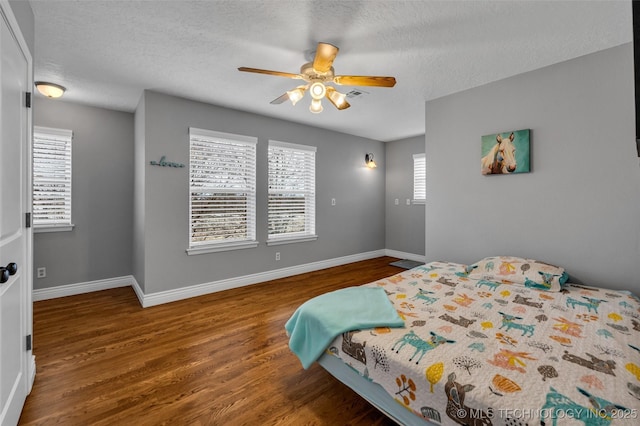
{"type": "Point", "coordinates": [501, 159]}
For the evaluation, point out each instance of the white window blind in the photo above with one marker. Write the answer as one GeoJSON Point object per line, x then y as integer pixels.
{"type": "Point", "coordinates": [222, 202]}
{"type": "Point", "coordinates": [292, 191]}
{"type": "Point", "coordinates": [51, 178]}
{"type": "Point", "coordinates": [419, 178]}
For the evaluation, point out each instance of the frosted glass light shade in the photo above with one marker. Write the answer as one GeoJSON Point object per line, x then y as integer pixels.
{"type": "Point", "coordinates": [50, 90]}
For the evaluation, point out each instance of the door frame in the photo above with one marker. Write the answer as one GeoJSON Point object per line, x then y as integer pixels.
{"type": "Point", "coordinates": [27, 270]}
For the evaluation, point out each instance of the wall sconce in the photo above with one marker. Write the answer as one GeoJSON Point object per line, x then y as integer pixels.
{"type": "Point", "coordinates": [50, 90]}
{"type": "Point", "coordinates": [368, 159]}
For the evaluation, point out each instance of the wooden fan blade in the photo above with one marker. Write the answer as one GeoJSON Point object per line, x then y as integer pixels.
{"type": "Point", "coordinates": [336, 98]}
{"type": "Point", "coordinates": [280, 99]}
{"type": "Point", "coordinates": [269, 72]}
{"type": "Point", "coordinates": [364, 80]}
{"type": "Point", "coordinates": [325, 54]}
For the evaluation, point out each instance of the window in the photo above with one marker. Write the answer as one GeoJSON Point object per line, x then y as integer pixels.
{"type": "Point", "coordinates": [419, 178]}
{"type": "Point", "coordinates": [292, 192]}
{"type": "Point", "coordinates": [222, 183]}
{"type": "Point", "coordinates": [51, 179]}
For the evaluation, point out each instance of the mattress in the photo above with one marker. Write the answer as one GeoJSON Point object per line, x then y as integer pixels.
{"type": "Point", "coordinates": [480, 352]}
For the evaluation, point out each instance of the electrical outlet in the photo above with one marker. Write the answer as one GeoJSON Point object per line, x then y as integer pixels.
{"type": "Point", "coordinates": [408, 201]}
{"type": "Point", "coordinates": [41, 272]}
{"type": "Point", "coordinates": [396, 202]}
{"type": "Point", "coordinates": [277, 255]}
{"type": "Point", "coordinates": [333, 201]}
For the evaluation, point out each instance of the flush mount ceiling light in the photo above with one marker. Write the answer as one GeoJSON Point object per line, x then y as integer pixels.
{"type": "Point", "coordinates": [50, 90]}
{"type": "Point", "coordinates": [317, 74]}
{"type": "Point", "coordinates": [368, 159]}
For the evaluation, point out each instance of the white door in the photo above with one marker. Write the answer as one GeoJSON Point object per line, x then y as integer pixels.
{"type": "Point", "coordinates": [15, 238]}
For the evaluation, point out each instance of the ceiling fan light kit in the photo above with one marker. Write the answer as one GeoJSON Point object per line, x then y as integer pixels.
{"type": "Point", "coordinates": [318, 90]}
{"type": "Point", "coordinates": [296, 94]}
{"type": "Point", "coordinates": [317, 74]}
{"type": "Point", "coordinates": [339, 100]}
{"type": "Point", "coordinates": [316, 106]}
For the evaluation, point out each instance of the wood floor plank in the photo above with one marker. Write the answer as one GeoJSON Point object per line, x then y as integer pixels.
{"type": "Point", "coordinates": [218, 359]}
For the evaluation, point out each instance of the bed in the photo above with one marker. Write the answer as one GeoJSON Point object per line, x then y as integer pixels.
{"type": "Point", "coordinates": [505, 341]}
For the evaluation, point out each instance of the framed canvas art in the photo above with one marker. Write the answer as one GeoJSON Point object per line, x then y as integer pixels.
{"type": "Point", "coordinates": [505, 153]}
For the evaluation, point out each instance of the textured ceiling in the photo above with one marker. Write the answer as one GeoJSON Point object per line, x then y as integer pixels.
{"type": "Point", "coordinates": [107, 52]}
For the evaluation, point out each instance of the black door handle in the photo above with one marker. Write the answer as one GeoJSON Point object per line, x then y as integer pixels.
{"type": "Point", "coordinates": [7, 271]}
{"type": "Point", "coordinates": [12, 268]}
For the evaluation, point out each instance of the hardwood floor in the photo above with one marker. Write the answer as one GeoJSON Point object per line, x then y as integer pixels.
{"type": "Point", "coordinates": [218, 359]}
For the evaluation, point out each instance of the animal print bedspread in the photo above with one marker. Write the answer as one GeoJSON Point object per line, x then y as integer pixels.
{"type": "Point", "coordinates": [476, 352]}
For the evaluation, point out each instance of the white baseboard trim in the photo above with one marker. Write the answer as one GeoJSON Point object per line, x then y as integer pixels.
{"type": "Point", "coordinates": [138, 291]}
{"type": "Point", "coordinates": [403, 255]}
{"type": "Point", "coordinates": [31, 370]}
{"type": "Point", "coordinates": [80, 288]}
{"type": "Point", "coordinates": [162, 297]}
{"type": "Point", "coordinates": [159, 298]}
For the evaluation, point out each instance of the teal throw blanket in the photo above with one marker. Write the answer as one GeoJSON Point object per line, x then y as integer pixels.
{"type": "Point", "coordinates": [318, 321]}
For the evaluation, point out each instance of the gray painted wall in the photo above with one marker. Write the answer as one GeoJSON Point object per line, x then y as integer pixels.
{"type": "Point", "coordinates": [24, 15]}
{"type": "Point", "coordinates": [139, 196]}
{"type": "Point", "coordinates": [99, 247]}
{"type": "Point", "coordinates": [580, 205]}
{"type": "Point", "coordinates": [355, 225]}
{"type": "Point", "coordinates": [404, 223]}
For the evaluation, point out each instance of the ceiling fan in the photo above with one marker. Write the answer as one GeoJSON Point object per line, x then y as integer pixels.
{"type": "Point", "coordinates": [317, 74]}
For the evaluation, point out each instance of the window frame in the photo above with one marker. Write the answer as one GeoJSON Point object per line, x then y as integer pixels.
{"type": "Point", "coordinates": [419, 173]}
{"type": "Point", "coordinates": [309, 234]}
{"type": "Point", "coordinates": [61, 136]}
{"type": "Point", "coordinates": [220, 138]}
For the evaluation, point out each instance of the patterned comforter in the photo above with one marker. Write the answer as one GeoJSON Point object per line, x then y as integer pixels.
{"type": "Point", "coordinates": [477, 352]}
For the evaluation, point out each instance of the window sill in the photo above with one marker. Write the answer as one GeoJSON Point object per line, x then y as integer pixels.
{"type": "Point", "coordinates": [52, 228]}
{"type": "Point", "coordinates": [291, 240]}
{"type": "Point", "coordinates": [418, 201]}
{"type": "Point", "coordinates": [221, 247]}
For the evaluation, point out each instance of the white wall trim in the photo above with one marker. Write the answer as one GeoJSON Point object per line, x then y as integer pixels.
{"type": "Point", "coordinates": [403, 255]}
{"type": "Point", "coordinates": [138, 290]}
{"type": "Point", "coordinates": [31, 370]}
{"type": "Point", "coordinates": [80, 288]}
{"type": "Point", "coordinates": [153, 299]}
{"type": "Point", "coordinates": [159, 298]}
